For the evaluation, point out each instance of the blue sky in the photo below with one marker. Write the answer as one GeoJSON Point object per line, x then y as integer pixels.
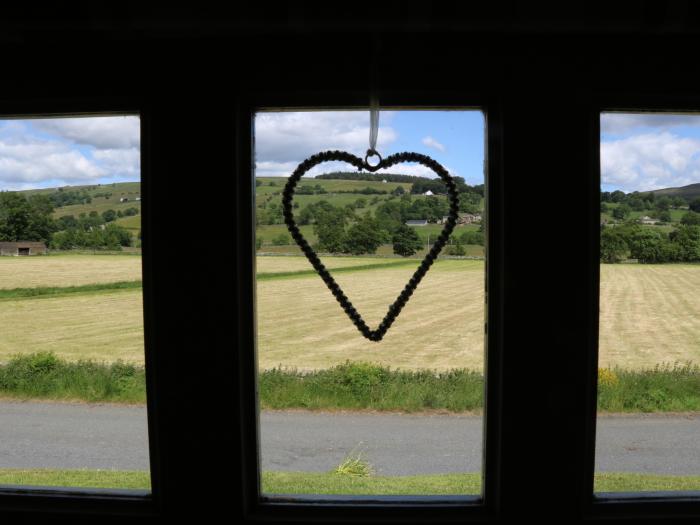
{"type": "Point", "coordinates": [43, 153]}
{"type": "Point", "coordinates": [647, 151]}
{"type": "Point", "coordinates": [454, 138]}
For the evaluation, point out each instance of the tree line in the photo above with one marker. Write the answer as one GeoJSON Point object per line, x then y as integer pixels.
{"type": "Point", "coordinates": [649, 245]}
{"type": "Point", "coordinates": [29, 218]}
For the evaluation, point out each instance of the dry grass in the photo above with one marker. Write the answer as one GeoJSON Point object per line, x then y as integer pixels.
{"type": "Point", "coordinates": [67, 270]}
{"type": "Point", "coordinates": [649, 314]}
{"type": "Point", "coordinates": [301, 325]}
{"type": "Point", "coordinates": [100, 326]}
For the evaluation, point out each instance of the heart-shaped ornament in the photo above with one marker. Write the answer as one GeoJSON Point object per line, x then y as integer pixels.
{"type": "Point", "coordinates": [360, 164]}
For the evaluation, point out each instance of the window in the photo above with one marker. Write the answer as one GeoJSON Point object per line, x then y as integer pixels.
{"type": "Point", "coordinates": [542, 74]}
{"type": "Point", "coordinates": [341, 415]}
{"type": "Point", "coordinates": [73, 382]}
{"type": "Point", "coordinates": [649, 312]}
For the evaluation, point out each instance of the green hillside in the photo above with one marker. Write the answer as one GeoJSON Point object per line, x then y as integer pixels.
{"type": "Point", "coordinates": [690, 192]}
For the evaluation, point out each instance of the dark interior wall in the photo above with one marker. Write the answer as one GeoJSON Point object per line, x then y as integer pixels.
{"type": "Point", "coordinates": [542, 75]}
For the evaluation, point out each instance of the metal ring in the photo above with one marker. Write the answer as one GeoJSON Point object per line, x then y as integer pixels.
{"type": "Point", "coordinates": [372, 153]}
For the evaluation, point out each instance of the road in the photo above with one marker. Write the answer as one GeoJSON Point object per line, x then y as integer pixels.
{"type": "Point", "coordinates": [68, 436]}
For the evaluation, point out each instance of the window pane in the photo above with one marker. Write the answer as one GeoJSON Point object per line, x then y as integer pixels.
{"type": "Point", "coordinates": [72, 381]}
{"type": "Point", "coordinates": [340, 414]}
{"type": "Point", "coordinates": [648, 393]}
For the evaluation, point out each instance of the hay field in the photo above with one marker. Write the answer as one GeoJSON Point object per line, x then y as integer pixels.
{"type": "Point", "coordinates": [104, 326]}
{"type": "Point", "coordinates": [67, 270]}
{"type": "Point", "coordinates": [649, 314]}
{"type": "Point", "coordinates": [300, 324]}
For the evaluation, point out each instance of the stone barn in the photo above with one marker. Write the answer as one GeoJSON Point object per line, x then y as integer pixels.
{"type": "Point", "coordinates": [22, 248]}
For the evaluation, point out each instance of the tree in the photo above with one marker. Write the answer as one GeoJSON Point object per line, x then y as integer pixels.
{"type": "Point", "coordinates": [330, 228]}
{"type": "Point", "coordinates": [613, 247]}
{"type": "Point", "coordinates": [109, 215]}
{"type": "Point", "coordinates": [456, 249]}
{"type": "Point", "coordinates": [687, 240]}
{"type": "Point", "coordinates": [621, 212]}
{"type": "Point", "coordinates": [365, 236]}
{"type": "Point", "coordinates": [23, 219]}
{"type": "Point", "coordinates": [406, 241]}
{"type": "Point", "coordinates": [691, 219]}
{"type": "Point", "coordinates": [398, 191]}
{"type": "Point", "coordinates": [694, 205]}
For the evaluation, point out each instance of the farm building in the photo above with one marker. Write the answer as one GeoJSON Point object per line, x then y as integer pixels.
{"type": "Point", "coordinates": [420, 222]}
{"type": "Point", "coordinates": [22, 248]}
{"type": "Point", "coordinates": [647, 220]}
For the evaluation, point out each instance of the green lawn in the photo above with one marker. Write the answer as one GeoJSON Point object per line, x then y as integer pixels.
{"type": "Point", "coordinates": [111, 479]}
{"type": "Point", "coordinates": [448, 484]}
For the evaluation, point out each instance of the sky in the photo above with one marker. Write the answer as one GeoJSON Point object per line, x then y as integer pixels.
{"type": "Point", "coordinates": [647, 151]}
{"type": "Point", "coordinates": [453, 138]}
{"type": "Point", "coordinates": [639, 151]}
{"type": "Point", "coordinates": [53, 152]}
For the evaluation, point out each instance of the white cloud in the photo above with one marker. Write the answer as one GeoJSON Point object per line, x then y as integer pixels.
{"type": "Point", "coordinates": [100, 132]}
{"type": "Point", "coordinates": [620, 123]}
{"type": "Point", "coordinates": [30, 162]}
{"type": "Point", "coordinates": [124, 163]}
{"type": "Point", "coordinates": [650, 161]}
{"type": "Point", "coordinates": [432, 143]}
{"type": "Point", "coordinates": [294, 136]}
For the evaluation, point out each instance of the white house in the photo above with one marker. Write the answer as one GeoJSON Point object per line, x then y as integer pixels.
{"type": "Point", "coordinates": [428, 193]}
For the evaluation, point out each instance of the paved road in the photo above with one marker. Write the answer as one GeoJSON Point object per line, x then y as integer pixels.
{"type": "Point", "coordinates": [57, 435]}
{"type": "Point", "coordinates": [73, 436]}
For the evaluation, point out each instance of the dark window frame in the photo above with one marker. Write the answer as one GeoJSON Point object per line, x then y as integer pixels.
{"type": "Point", "coordinates": [323, 508]}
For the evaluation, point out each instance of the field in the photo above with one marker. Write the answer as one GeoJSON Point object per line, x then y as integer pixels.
{"type": "Point", "coordinates": [649, 313]}
{"type": "Point", "coordinates": [104, 325]}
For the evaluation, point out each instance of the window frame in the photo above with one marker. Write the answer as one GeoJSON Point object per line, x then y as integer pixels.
{"type": "Point", "coordinates": [102, 502]}
{"type": "Point", "coordinates": [328, 508]}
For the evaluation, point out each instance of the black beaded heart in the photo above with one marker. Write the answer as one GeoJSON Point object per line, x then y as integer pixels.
{"type": "Point", "coordinates": [402, 299]}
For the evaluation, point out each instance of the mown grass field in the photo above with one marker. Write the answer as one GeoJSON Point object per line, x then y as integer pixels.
{"type": "Point", "coordinates": [300, 323]}
{"type": "Point", "coordinates": [103, 325]}
{"type": "Point", "coordinates": [68, 270]}
{"type": "Point", "coordinates": [649, 313]}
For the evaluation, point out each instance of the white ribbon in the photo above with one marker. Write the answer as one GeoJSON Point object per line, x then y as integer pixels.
{"type": "Point", "coordinates": [373, 122]}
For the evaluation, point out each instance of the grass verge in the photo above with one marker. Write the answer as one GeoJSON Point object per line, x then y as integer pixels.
{"type": "Point", "coordinates": [367, 386]}
{"type": "Point", "coordinates": [356, 385]}
{"type": "Point", "coordinates": [111, 479]}
{"type": "Point", "coordinates": [447, 484]}
{"type": "Point", "coordinates": [45, 376]}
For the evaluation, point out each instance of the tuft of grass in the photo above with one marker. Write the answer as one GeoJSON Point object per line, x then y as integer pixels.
{"type": "Point", "coordinates": [43, 375]}
{"type": "Point", "coordinates": [354, 465]}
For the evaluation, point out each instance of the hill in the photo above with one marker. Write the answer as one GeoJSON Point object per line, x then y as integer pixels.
{"type": "Point", "coordinates": [689, 192]}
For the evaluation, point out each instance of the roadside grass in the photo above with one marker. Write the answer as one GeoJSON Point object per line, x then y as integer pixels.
{"type": "Point", "coordinates": [45, 376]}
{"type": "Point", "coordinates": [663, 388]}
{"type": "Point", "coordinates": [110, 479]}
{"type": "Point", "coordinates": [447, 484]}
{"type": "Point", "coordinates": [368, 386]}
